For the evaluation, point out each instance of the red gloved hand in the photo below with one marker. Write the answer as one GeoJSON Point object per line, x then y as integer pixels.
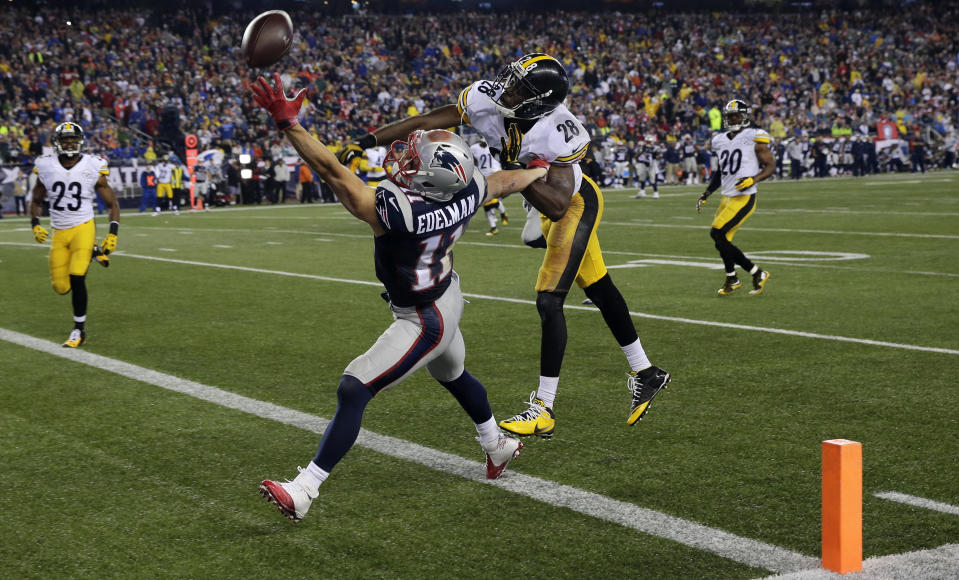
{"type": "Point", "coordinates": [283, 110]}
{"type": "Point", "coordinates": [539, 163]}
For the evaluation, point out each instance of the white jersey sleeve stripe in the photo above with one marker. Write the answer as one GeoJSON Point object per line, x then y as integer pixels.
{"type": "Point", "coordinates": [402, 202]}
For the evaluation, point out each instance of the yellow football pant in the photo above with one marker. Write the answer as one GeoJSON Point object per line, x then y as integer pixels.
{"type": "Point", "coordinates": [70, 254]}
{"type": "Point", "coordinates": [733, 212]}
{"type": "Point", "coordinates": [572, 248]}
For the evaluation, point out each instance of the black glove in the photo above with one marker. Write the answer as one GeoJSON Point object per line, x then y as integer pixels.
{"type": "Point", "coordinates": [509, 154]}
{"type": "Point", "coordinates": [355, 149]}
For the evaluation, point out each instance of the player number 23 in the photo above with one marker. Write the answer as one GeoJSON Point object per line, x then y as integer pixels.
{"type": "Point", "coordinates": [60, 189]}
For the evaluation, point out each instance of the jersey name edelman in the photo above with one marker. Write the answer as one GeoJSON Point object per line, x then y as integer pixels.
{"type": "Point", "coordinates": [447, 216]}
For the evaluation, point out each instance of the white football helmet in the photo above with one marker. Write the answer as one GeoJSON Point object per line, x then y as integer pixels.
{"type": "Point", "coordinates": [435, 164]}
{"type": "Point", "coordinates": [68, 139]}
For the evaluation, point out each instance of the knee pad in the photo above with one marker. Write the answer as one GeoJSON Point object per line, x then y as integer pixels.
{"type": "Point", "coordinates": [61, 286]}
{"type": "Point", "coordinates": [351, 391]}
{"type": "Point", "coordinates": [549, 304]}
{"type": "Point", "coordinates": [718, 237]}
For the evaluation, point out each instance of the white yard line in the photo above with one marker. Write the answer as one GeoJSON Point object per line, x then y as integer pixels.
{"type": "Point", "coordinates": [576, 307]}
{"type": "Point", "coordinates": [770, 330]}
{"type": "Point", "coordinates": [919, 502]}
{"type": "Point", "coordinates": [705, 227]}
{"type": "Point", "coordinates": [719, 542]}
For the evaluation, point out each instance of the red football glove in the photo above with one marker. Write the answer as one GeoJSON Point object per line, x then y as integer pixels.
{"type": "Point", "coordinates": [539, 163]}
{"type": "Point", "coordinates": [283, 110]}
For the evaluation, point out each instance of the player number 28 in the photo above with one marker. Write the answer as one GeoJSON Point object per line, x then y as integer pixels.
{"type": "Point", "coordinates": [569, 129]}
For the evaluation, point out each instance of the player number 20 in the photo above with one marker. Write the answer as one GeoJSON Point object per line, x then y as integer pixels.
{"type": "Point", "coordinates": [729, 163]}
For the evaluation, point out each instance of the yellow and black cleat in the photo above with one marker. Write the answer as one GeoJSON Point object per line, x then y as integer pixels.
{"type": "Point", "coordinates": [731, 285]}
{"type": "Point", "coordinates": [77, 338]}
{"type": "Point", "coordinates": [537, 420]}
{"type": "Point", "coordinates": [644, 385]}
{"type": "Point", "coordinates": [759, 282]}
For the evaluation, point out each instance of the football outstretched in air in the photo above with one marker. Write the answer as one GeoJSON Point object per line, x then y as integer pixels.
{"type": "Point", "coordinates": [267, 38]}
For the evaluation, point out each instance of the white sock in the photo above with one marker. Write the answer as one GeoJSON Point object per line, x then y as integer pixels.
{"type": "Point", "coordinates": [311, 478]}
{"type": "Point", "coordinates": [731, 274]}
{"type": "Point", "coordinates": [80, 318]}
{"type": "Point", "coordinates": [488, 432]}
{"type": "Point", "coordinates": [754, 270]}
{"type": "Point", "coordinates": [636, 356]}
{"type": "Point", "coordinates": [491, 218]}
{"type": "Point", "coordinates": [547, 390]}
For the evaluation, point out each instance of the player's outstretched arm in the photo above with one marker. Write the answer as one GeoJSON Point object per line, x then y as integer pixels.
{"type": "Point", "coordinates": [440, 118]}
{"type": "Point", "coordinates": [356, 196]}
{"type": "Point", "coordinates": [503, 183]}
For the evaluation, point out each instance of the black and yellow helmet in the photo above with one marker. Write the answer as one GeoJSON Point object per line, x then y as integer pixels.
{"type": "Point", "coordinates": [68, 139]}
{"type": "Point", "coordinates": [736, 107]}
{"type": "Point", "coordinates": [533, 86]}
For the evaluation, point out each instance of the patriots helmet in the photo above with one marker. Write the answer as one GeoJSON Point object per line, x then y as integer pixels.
{"type": "Point", "coordinates": [533, 86]}
{"type": "Point", "coordinates": [68, 139]}
{"type": "Point", "coordinates": [435, 164]}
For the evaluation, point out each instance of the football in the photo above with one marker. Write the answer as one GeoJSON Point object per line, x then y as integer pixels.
{"type": "Point", "coordinates": [267, 38]}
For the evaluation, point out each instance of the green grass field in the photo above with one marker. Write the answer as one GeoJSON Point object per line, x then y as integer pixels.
{"type": "Point", "coordinates": [109, 469]}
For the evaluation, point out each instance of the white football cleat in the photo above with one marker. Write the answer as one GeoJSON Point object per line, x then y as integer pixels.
{"type": "Point", "coordinates": [290, 498]}
{"type": "Point", "coordinates": [499, 453]}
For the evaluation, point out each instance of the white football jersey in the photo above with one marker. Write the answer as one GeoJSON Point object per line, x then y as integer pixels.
{"type": "Point", "coordinates": [737, 158]}
{"type": "Point", "coordinates": [484, 159]}
{"type": "Point", "coordinates": [558, 137]}
{"type": "Point", "coordinates": [376, 158]}
{"type": "Point", "coordinates": [165, 173]}
{"type": "Point", "coordinates": [72, 192]}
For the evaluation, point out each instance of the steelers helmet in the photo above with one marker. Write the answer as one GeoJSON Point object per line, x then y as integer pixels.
{"type": "Point", "coordinates": [435, 164]}
{"type": "Point", "coordinates": [736, 107]}
{"type": "Point", "coordinates": [533, 86]}
{"type": "Point", "coordinates": [68, 139]}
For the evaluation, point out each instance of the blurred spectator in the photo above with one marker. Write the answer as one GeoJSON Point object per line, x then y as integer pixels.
{"type": "Point", "coordinates": [883, 73]}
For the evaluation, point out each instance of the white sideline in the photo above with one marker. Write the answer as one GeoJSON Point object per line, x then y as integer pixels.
{"type": "Point", "coordinates": [567, 306]}
{"type": "Point", "coordinates": [719, 542]}
{"type": "Point", "coordinates": [572, 307]}
{"type": "Point", "coordinates": [918, 502]}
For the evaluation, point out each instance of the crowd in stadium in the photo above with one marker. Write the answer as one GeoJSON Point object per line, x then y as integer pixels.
{"type": "Point", "coordinates": [636, 77]}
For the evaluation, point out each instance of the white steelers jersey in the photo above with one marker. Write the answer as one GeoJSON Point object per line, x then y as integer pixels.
{"type": "Point", "coordinates": [376, 159]}
{"type": "Point", "coordinates": [558, 137]}
{"type": "Point", "coordinates": [165, 172]}
{"type": "Point", "coordinates": [737, 158]}
{"type": "Point", "coordinates": [71, 193]}
{"type": "Point", "coordinates": [484, 159]}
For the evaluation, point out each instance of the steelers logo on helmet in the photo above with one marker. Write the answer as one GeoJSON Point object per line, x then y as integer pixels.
{"type": "Point", "coordinates": [435, 164]}
{"type": "Point", "coordinates": [735, 115]}
{"type": "Point", "coordinates": [68, 139]}
{"type": "Point", "coordinates": [533, 86]}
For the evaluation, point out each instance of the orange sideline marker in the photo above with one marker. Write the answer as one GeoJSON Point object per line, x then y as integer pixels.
{"type": "Point", "coordinates": [842, 505]}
